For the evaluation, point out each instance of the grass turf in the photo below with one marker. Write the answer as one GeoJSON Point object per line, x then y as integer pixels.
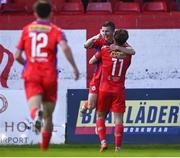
{"type": "Point", "coordinates": [91, 150]}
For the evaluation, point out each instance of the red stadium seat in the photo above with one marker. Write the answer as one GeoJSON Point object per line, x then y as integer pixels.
{"type": "Point", "coordinates": [158, 6]}
{"type": "Point", "coordinates": [99, 8]}
{"type": "Point", "coordinates": [127, 7]}
{"type": "Point", "coordinates": [29, 5]}
{"type": "Point", "coordinates": [1, 8]}
{"type": "Point", "coordinates": [173, 7]}
{"type": "Point", "coordinates": [72, 8]}
{"type": "Point", "coordinates": [18, 6]}
{"type": "Point", "coordinates": [57, 5]}
{"type": "Point", "coordinates": [97, 0]}
{"type": "Point", "coordinates": [79, 1]}
{"type": "Point", "coordinates": [113, 2]}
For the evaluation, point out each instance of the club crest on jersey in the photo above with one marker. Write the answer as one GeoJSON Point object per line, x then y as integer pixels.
{"type": "Point", "coordinates": [93, 88]}
{"type": "Point", "coordinates": [118, 54]}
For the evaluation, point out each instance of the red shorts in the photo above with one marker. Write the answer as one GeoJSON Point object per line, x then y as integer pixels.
{"type": "Point", "coordinates": [108, 101]}
{"type": "Point", "coordinates": [95, 81]}
{"type": "Point", "coordinates": [45, 86]}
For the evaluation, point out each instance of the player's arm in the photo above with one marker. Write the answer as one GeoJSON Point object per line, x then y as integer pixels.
{"type": "Point", "coordinates": [89, 43]}
{"type": "Point", "coordinates": [129, 50]}
{"type": "Point", "coordinates": [95, 58]}
{"type": "Point", "coordinates": [68, 54]}
{"type": "Point", "coordinates": [18, 56]}
{"type": "Point", "coordinates": [20, 47]}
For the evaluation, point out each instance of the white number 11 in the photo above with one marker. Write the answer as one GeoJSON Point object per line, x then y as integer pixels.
{"type": "Point", "coordinates": [115, 60]}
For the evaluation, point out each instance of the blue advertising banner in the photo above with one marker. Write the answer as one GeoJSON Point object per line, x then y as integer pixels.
{"type": "Point", "coordinates": [152, 117]}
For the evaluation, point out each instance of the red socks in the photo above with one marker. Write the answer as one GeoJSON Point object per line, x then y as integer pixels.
{"type": "Point", "coordinates": [46, 136]}
{"type": "Point", "coordinates": [118, 134]}
{"type": "Point", "coordinates": [34, 110]}
{"type": "Point", "coordinates": [101, 129]}
{"type": "Point", "coordinates": [86, 104]}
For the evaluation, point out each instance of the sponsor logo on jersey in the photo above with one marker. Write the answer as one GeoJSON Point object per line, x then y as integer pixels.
{"type": "Point", "coordinates": [39, 28]}
{"type": "Point", "coordinates": [118, 54]}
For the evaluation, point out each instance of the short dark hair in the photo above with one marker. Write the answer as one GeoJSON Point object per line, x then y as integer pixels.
{"type": "Point", "coordinates": [42, 8]}
{"type": "Point", "coordinates": [121, 36]}
{"type": "Point", "coordinates": [109, 24]}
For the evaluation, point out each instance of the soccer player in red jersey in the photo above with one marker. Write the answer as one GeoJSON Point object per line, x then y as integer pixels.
{"type": "Point", "coordinates": [111, 96]}
{"type": "Point", "coordinates": [105, 37]}
{"type": "Point", "coordinates": [39, 41]}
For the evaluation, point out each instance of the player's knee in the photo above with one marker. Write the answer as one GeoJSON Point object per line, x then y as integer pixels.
{"type": "Point", "coordinates": [91, 106]}
{"type": "Point", "coordinates": [100, 115]}
{"type": "Point", "coordinates": [92, 97]}
{"type": "Point", "coordinates": [118, 121]}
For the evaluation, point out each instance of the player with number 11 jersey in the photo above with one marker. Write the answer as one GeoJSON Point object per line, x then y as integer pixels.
{"type": "Point", "coordinates": [115, 64]}
{"type": "Point", "coordinates": [111, 96]}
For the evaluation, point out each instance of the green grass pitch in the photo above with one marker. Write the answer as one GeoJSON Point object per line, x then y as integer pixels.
{"type": "Point", "coordinates": [91, 150]}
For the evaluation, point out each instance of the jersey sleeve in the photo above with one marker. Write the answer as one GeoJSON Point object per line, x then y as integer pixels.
{"type": "Point", "coordinates": [61, 36]}
{"type": "Point", "coordinates": [98, 55]}
{"type": "Point", "coordinates": [97, 44]}
{"type": "Point", "coordinates": [21, 41]}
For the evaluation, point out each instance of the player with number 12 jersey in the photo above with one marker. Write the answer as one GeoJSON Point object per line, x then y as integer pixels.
{"type": "Point", "coordinates": [39, 40]}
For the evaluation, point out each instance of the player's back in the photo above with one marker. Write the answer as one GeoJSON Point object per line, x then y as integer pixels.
{"type": "Point", "coordinates": [40, 41]}
{"type": "Point", "coordinates": [114, 67]}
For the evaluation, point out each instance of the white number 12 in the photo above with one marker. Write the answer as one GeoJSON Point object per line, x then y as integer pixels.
{"type": "Point", "coordinates": [36, 47]}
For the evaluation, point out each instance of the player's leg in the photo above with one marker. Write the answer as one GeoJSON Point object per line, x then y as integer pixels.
{"type": "Point", "coordinates": [49, 101]}
{"type": "Point", "coordinates": [118, 132]}
{"type": "Point", "coordinates": [93, 92]}
{"type": "Point", "coordinates": [101, 129]}
{"type": "Point", "coordinates": [34, 104]}
{"type": "Point", "coordinates": [35, 111]}
{"type": "Point", "coordinates": [34, 96]}
{"type": "Point", "coordinates": [89, 104]}
{"type": "Point", "coordinates": [118, 108]}
{"type": "Point", "coordinates": [103, 107]}
{"type": "Point", "coordinates": [92, 100]}
{"type": "Point", "coordinates": [94, 87]}
{"type": "Point", "coordinates": [48, 108]}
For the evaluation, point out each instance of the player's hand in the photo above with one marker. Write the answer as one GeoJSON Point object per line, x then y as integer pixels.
{"type": "Point", "coordinates": [76, 74]}
{"type": "Point", "coordinates": [98, 36]}
{"type": "Point", "coordinates": [113, 47]}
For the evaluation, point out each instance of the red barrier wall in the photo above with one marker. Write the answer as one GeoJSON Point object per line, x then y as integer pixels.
{"type": "Point", "coordinates": [92, 23]}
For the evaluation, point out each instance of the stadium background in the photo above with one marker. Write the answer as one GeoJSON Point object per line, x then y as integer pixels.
{"type": "Point", "coordinates": [154, 75]}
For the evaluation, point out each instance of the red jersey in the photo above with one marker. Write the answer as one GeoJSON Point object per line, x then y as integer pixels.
{"type": "Point", "coordinates": [39, 41]}
{"type": "Point", "coordinates": [101, 42]}
{"type": "Point", "coordinates": [94, 83]}
{"type": "Point", "coordinates": [114, 67]}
